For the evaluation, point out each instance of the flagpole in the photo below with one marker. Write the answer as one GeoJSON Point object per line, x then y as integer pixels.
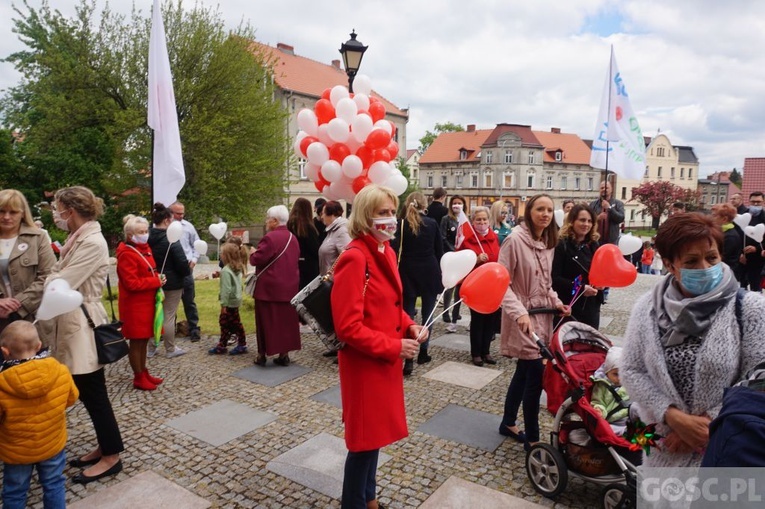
{"type": "Point", "coordinates": [610, 83]}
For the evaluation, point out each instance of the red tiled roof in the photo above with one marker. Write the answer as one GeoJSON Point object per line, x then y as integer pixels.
{"type": "Point", "coordinates": [446, 148]}
{"type": "Point", "coordinates": [522, 131]}
{"type": "Point", "coordinates": [309, 77]}
{"type": "Point", "coordinates": [575, 151]}
{"type": "Point", "coordinates": [754, 176]}
{"type": "Point", "coordinates": [410, 152]}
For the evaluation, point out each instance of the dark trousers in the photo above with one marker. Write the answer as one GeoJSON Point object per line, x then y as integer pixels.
{"type": "Point", "coordinates": [455, 311]}
{"type": "Point", "coordinates": [428, 303]}
{"type": "Point", "coordinates": [752, 276]}
{"type": "Point", "coordinates": [482, 329]}
{"type": "Point", "coordinates": [189, 305]}
{"type": "Point", "coordinates": [359, 485]}
{"type": "Point", "coordinates": [526, 388]}
{"type": "Point", "coordinates": [231, 323]}
{"type": "Point", "coordinates": [92, 387]}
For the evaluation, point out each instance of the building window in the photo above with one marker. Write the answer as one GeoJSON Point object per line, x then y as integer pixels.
{"type": "Point", "coordinates": [463, 155]}
{"type": "Point", "coordinates": [458, 181]}
{"type": "Point", "coordinates": [531, 157]}
{"type": "Point", "coordinates": [632, 215]}
{"type": "Point", "coordinates": [645, 175]}
{"type": "Point", "coordinates": [444, 181]}
{"type": "Point", "coordinates": [672, 172]}
{"type": "Point", "coordinates": [549, 182]}
{"type": "Point", "coordinates": [658, 172]}
{"type": "Point", "coordinates": [682, 173]}
{"type": "Point", "coordinates": [301, 166]}
{"type": "Point", "coordinates": [430, 181]}
{"type": "Point", "coordinates": [712, 199]}
{"type": "Point", "coordinates": [690, 173]}
{"type": "Point", "coordinates": [487, 180]}
{"type": "Point", "coordinates": [508, 180]}
{"type": "Point", "coordinates": [563, 183]}
{"type": "Point", "coordinates": [660, 152]}
{"type": "Point", "coordinates": [530, 181]}
{"type": "Point", "coordinates": [508, 157]}
{"type": "Point", "coordinates": [590, 182]}
{"type": "Point", "coordinates": [559, 156]}
{"type": "Point", "coordinates": [577, 183]}
{"type": "Point", "coordinates": [473, 180]}
{"type": "Point", "coordinates": [624, 193]}
{"type": "Point", "coordinates": [489, 157]}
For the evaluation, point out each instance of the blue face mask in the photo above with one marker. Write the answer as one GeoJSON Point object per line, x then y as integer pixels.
{"type": "Point", "coordinates": [701, 281]}
{"type": "Point", "coordinates": [755, 209]}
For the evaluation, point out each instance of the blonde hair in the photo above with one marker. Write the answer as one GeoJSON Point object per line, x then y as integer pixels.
{"type": "Point", "coordinates": [369, 199]}
{"type": "Point", "coordinates": [21, 339]}
{"type": "Point", "coordinates": [234, 255]}
{"type": "Point", "coordinates": [14, 200]}
{"type": "Point", "coordinates": [413, 207]}
{"type": "Point", "coordinates": [82, 200]}
{"type": "Point", "coordinates": [495, 213]}
{"type": "Point", "coordinates": [131, 222]}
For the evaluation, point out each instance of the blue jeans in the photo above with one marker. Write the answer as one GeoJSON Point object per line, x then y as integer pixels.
{"type": "Point", "coordinates": [359, 484]}
{"type": "Point", "coordinates": [16, 479]}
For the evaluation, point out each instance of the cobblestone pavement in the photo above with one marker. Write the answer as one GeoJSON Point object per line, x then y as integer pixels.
{"type": "Point", "coordinates": [234, 475]}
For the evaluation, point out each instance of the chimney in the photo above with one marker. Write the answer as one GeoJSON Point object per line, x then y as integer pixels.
{"type": "Point", "coordinates": [336, 64]}
{"type": "Point", "coordinates": [471, 128]}
{"type": "Point", "coordinates": [285, 48]}
{"type": "Point", "coordinates": [555, 130]}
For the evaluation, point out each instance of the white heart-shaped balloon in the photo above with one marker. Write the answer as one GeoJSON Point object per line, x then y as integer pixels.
{"type": "Point", "coordinates": [755, 232]}
{"type": "Point", "coordinates": [559, 217]}
{"type": "Point", "coordinates": [174, 231]}
{"type": "Point", "coordinates": [629, 244]}
{"type": "Point", "coordinates": [455, 265]}
{"type": "Point", "coordinates": [58, 298]}
{"type": "Point", "coordinates": [200, 246]}
{"type": "Point", "coordinates": [218, 230]}
{"type": "Point", "coordinates": [742, 220]}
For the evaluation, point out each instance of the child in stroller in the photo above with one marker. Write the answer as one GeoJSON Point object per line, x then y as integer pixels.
{"type": "Point", "coordinates": [608, 396]}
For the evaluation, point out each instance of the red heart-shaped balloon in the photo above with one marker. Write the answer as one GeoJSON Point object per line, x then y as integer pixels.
{"type": "Point", "coordinates": [484, 288]}
{"type": "Point", "coordinates": [610, 269]}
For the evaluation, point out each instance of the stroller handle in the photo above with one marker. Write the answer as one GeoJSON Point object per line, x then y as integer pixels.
{"type": "Point", "coordinates": [543, 350]}
{"type": "Point", "coordinates": [543, 311]}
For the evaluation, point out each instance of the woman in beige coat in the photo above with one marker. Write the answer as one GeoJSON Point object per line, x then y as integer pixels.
{"type": "Point", "coordinates": [26, 259]}
{"type": "Point", "coordinates": [84, 265]}
{"type": "Point", "coordinates": [336, 235]}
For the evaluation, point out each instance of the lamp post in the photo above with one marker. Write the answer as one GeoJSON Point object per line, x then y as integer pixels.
{"type": "Point", "coordinates": [352, 51]}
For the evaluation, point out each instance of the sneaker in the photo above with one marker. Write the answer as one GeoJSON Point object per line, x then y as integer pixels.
{"type": "Point", "coordinates": [238, 350]}
{"type": "Point", "coordinates": [195, 336]}
{"type": "Point", "coordinates": [217, 350]}
{"type": "Point", "coordinates": [305, 329]}
{"type": "Point", "coordinates": [152, 351]}
{"type": "Point", "coordinates": [451, 328]}
{"type": "Point", "coordinates": [175, 353]}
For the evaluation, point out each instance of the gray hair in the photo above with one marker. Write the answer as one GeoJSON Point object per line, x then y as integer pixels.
{"type": "Point", "coordinates": [478, 209]}
{"type": "Point", "coordinates": [278, 212]}
{"type": "Point", "coordinates": [132, 222]}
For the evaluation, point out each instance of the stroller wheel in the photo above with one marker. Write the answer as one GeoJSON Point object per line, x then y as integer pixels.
{"type": "Point", "coordinates": [547, 470]}
{"type": "Point", "coordinates": [616, 496]}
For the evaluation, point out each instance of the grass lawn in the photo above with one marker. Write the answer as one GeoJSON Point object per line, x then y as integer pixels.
{"type": "Point", "coordinates": [209, 308]}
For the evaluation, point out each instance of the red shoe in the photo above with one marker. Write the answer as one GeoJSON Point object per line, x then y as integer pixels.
{"type": "Point", "coordinates": [153, 379]}
{"type": "Point", "coordinates": [141, 382]}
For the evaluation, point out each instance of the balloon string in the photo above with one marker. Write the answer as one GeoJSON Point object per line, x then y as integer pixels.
{"type": "Point", "coordinates": [442, 313]}
{"type": "Point", "coordinates": [162, 271]}
{"type": "Point", "coordinates": [425, 325]}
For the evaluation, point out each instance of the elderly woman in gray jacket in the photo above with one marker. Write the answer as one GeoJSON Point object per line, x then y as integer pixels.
{"type": "Point", "coordinates": [336, 235]}
{"type": "Point", "coordinates": [685, 343]}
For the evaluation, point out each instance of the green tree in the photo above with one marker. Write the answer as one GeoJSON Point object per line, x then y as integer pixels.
{"type": "Point", "coordinates": [430, 136]}
{"type": "Point", "coordinates": [406, 171]}
{"type": "Point", "coordinates": [735, 177]}
{"type": "Point", "coordinates": [81, 106]}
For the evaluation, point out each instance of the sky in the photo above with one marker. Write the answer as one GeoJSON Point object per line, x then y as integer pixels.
{"type": "Point", "coordinates": [694, 69]}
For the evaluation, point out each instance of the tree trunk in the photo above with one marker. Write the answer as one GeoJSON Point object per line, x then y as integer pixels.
{"type": "Point", "coordinates": [655, 222]}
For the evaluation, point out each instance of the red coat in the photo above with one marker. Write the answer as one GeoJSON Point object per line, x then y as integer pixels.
{"type": "Point", "coordinates": [371, 378]}
{"type": "Point", "coordinates": [137, 290]}
{"type": "Point", "coordinates": [489, 242]}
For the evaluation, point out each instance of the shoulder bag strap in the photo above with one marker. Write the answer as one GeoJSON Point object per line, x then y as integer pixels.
{"type": "Point", "coordinates": [153, 271]}
{"type": "Point", "coordinates": [87, 317]}
{"type": "Point", "coordinates": [277, 257]}
{"type": "Point", "coordinates": [111, 301]}
{"type": "Point", "coordinates": [366, 272]}
{"type": "Point", "coordinates": [400, 244]}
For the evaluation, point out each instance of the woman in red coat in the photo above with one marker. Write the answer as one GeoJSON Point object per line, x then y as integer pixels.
{"type": "Point", "coordinates": [369, 317]}
{"type": "Point", "coordinates": [138, 285]}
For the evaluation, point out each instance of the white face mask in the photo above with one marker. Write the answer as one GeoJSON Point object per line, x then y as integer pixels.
{"type": "Point", "coordinates": [140, 239]}
{"type": "Point", "coordinates": [384, 228]}
{"type": "Point", "coordinates": [61, 223]}
{"type": "Point", "coordinates": [482, 229]}
{"type": "Point", "coordinates": [456, 208]}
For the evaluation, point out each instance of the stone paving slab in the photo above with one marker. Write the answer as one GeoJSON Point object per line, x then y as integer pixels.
{"type": "Point", "coordinates": [455, 341]}
{"type": "Point", "coordinates": [458, 493]}
{"type": "Point", "coordinates": [317, 463]}
{"type": "Point", "coordinates": [329, 396]}
{"type": "Point", "coordinates": [605, 321]}
{"type": "Point", "coordinates": [147, 490]}
{"type": "Point", "coordinates": [221, 422]}
{"type": "Point", "coordinates": [464, 375]}
{"type": "Point", "coordinates": [466, 426]}
{"type": "Point", "coordinates": [272, 376]}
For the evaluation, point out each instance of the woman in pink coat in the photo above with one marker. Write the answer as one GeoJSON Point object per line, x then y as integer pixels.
{"type": "Point", "coordinates": [528, 255]}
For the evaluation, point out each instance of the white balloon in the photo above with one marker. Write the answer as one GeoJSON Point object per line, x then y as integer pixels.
{"type": "Point", "coordinates": [361, 127]}
{"type": "Point", "coordinates": [58, 298]}
{"type": "Point", "coordinates": [379, 172]}
{"type": "Point", "coordinates": [362, 84]}
{"type": "Point", "coordinates": [312, 172]}
{"type": "Point", "coordinates": [331, 171]}
{"type": "Point", "coordinates": [338, 92]}
{"type": "Point", "coordinates": [559, 217]}
{"type": "Point", "coordinates": [338, 130]}
{"type": "Point", "coordinates": [200, 246]}
{"type": "Point", "coordinates": [353, 144]}
{"type": "Point", "coordinates": [742, 220]}
{"type": "Point", "coordinates": [323, 135]}
{"type": "Point", "coordinates": [455, 265]}
{"type": "Point", "coordinates": [346, 109]}
{"type": "Point", "coordinates": [218, 230]}
{"type": "Point", "coordinates": [342, 189]}
{"type": "Point", "coordinates": [384, 125]}
{"type": "Point", "coordinates": [755, 232]}
{"type": "Point", "coordinates": [397, 183]}
{"type": "Point", "coordinates": [174, 231]}
{"type": "Point", "coordinates": [317, 153]}
{"type": "Point", "coordinates": [307, 121]}
{"type": "Point", "coordinates": [352, 166]}
{"type": "Point", "coordinates": [362, 101]}
{"type": "Point", "coordinates": [328, 194]}
{"type": "Point", "coordinates": [296, 149]}
{"type": "Point", "coordinates": [629, 244]}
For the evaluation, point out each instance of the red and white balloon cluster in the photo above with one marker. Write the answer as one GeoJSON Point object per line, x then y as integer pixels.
{"type": "Point", "coordinates": [348, 143]}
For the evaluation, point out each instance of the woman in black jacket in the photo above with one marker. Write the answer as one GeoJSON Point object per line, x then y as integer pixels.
{"type": "Point", "coordinates": [300, 223]}
{"type": "Point", "coordinates": [573, 256]}
{"type": "Point", "coordinates": [733, 236]}
{"type": "Point", "coordinates": [176, 268]}
{"type": "Point", "coordinates": [449, 225]}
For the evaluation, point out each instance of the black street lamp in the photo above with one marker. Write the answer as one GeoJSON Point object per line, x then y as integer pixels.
{"type": "Point", "coordinates": [352, 51]}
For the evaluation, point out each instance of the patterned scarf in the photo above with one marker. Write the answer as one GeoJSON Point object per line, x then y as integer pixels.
{"type": "Point", "coordinates": [70, 240]}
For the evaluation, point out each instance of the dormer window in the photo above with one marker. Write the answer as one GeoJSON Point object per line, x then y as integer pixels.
{"type": "Point", "coordinates": [559, 156]}
{"type": "Point", "coordinates": [463, 154]}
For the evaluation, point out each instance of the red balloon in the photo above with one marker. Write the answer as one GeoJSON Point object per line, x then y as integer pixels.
{"type": "Point", "coordinates": [360, 183]}
{"type": "Point", "coordinates": [392, 129]}
{"type": "Point", "coordinates": [609, 268]}
{"type": "Point", "coordinates": [327, 92]}
{"type": "Point", "coordinates": [377, 139]}
{"type": "Point", "coordinates": [324, 111]}
{"type": "Point", "coordinates": [366, 156]}
{"type": "Point", "coordinates": [484, 288]}
{"type": "Point", "coordinates": [393, 149]}
{"type": "Point", "coordinates": [382, 155]}
{"type": "Point", "coordinates": [377, 110]}
{"type": "Point", "coordinates": [338, 152]}
{"type": "Point", "coordinates": [373, 99]}
{"type": "Point", "coordinates": [319, 184]}
{"type": "Point", "coordinates": [304, 144]}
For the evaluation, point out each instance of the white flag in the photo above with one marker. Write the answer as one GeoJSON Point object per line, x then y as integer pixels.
{"type": "Point", "coordinates": [167, 169]}
{"type": "Point", "coordinates": [618, 132]}
{"type": "Point", "coordinates": [462, 219]}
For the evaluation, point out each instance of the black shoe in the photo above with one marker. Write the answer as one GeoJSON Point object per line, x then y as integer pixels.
{"type": "Point", "coordinates": [331, 353]}
{"type": "Point", "coordinates": [423, 357]}
{"type": "Point", "coordinates": [408, 367]}
{"type": "Point", "coordinates": [477, 361]}
{"type": "Point", "coordinates": [447, 319]}
{"type": "Point", "coordinates": [488, 359]}
{"type": "Point", "coordinates": [282, 361]}
{"type": "Point", "coordinates": [260, 360]}
{"type": "Point", "coordinates": [456, 319]}
{"type": "Point", "coordinates": [518, 437]}
{"type": "Point", "coordinates": [84, 479]}
{"type": "Point", "coordinates": [195, 336]}
{"type": "Point", "coordinates": [79, 462]}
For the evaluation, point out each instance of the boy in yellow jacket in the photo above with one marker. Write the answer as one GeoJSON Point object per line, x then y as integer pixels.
{"type": "Point", "coordinates": [35, 391]}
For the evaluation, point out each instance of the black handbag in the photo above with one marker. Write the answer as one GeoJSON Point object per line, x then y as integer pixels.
{"type": "Point", "coordinates": [111, 345]}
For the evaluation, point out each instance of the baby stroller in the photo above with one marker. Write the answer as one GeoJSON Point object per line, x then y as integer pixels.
{"type": "Point", "coordinates": [575, 353]}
